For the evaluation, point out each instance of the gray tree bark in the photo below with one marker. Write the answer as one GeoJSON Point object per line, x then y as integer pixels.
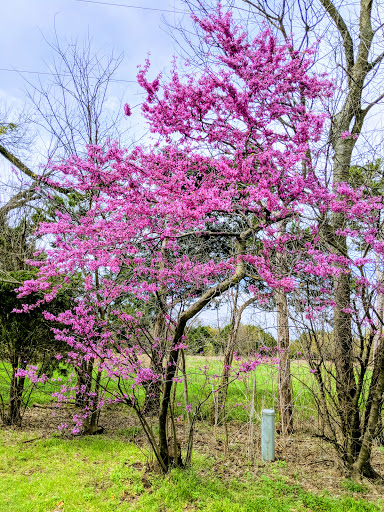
{"type": "Point", "coordinates": [285, 394]}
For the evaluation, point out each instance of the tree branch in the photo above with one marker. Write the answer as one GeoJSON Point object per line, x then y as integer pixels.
{"type": "Point", "coordinates": [18, 200]}
{"type": "Point", "coordinates": [343, 30]}
{"type": "Point", "coordinates": [18, 163]}
{"type": "Point", "coordinates": [26, 170]}
{"type": "Point", "coordinates": [372, 104]}
{"type": "Point", "coordinates": [377, 61]}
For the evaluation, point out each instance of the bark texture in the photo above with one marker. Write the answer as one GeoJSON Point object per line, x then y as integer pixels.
{"type": "Point", "coordinates": [285, 394]}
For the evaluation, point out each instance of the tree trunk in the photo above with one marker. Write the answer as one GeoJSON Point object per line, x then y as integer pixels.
{"type": "Point", "coordinates": [153, 389]}
{"type": "Point", "coordinates": [14, 416]}
{"type": "Point", "coordinates": [218, 408]}
{"type": "Point", "coordinates": [376, 345]}
{"type": "Point", "coordinates": [84, 398]}
{"type": "Point", "coordinates": [91, 423]}
{"type": "Point", "coordinates": [379, 307]}
{"type": "Point", "coordinates": [228, 358]}
{"type": "Point", "coordinates": [362, 464]}
{"type": "Point", "coordinates": [165, 401]}
{"type": "Point", "coordinates": [284, 388]}
{"type": "Point", "coordinates": [192, 311]}
{"type": "Point", "coordinates": [346, 388]}
{"type": "Point", "coordinates": [345, 378]}
{"type": "Point", "coordinates": [81, 384]}
{"type": "Point", "coordinates": [285, 396]}
{"type": "Point", "coordinates": [348, 409]}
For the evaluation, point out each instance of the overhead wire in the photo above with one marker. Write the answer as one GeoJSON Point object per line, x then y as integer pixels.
{"type": "Point", "coordinates": [171, 11]}
{"type": "Point", "coordinates": [20, 71]}
{"type": "Point", "coordinates": [113, 4]}
{"type": "Point", "coordinates": [98, 2]}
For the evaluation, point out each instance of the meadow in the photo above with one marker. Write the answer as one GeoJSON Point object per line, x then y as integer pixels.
{"type": "Point", "coordinates": [43, 469]}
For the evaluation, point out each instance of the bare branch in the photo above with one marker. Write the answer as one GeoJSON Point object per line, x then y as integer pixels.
{"type": "Point", "coordinates": [372, 104]}
{"type": "Point", "coordinates": [18, 163]}
{"type": "Point", "coordinates": [377, 61]}
{"type": "Point", "coordinates": [18, 200]}
{"type": "Point", "coordinates": [343, 30]}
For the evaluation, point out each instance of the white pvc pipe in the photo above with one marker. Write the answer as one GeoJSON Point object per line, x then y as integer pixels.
{"type": "Point", "coordinates": [268, 434]}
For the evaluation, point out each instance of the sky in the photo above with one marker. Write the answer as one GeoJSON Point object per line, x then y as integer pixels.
{"type": "Point", "coordinates": [28, 26]}
{"type": "Point", "coordinates": [133, 28]}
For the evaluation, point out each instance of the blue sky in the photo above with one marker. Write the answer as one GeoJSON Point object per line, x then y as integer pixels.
{"type": "Point", "coordinates": [134, 28]}
{"type": "Point", "coordinates": [25, 25]}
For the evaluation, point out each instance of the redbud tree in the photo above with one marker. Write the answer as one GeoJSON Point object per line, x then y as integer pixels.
{"type": "Point", "coordinates": [229, 161]}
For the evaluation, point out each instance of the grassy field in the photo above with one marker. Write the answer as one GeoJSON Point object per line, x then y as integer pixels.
{"type": "Point", "coordinates": [201, 375]}
{"type": "Point", "coordinates": [42, 470]}
{"type": "Point", "coordinates": [108, 474]}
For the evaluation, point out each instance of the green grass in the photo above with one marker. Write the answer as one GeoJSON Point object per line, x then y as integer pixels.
{"type": "Point", "coordinates": [239, 392]}
{"type": "Point", "coordinates": [103, 474]}
{"type": "Point", "coordinates": [182, 489]}
{"type": "Point", "coordinates": [199, 384]}
{"type": "Point", "coordinates": [100, 473]}
{"type": "Point", "coordinates": [351, 486]}
{"type": "Point", "coordinates": [84, 473]}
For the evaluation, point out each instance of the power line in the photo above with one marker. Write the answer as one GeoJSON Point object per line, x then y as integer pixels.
{"type": "Point", "coordinates": [14, 70]}
{"type": "Point", "coordinates": [133, 6]}
{"type": "Point", "coordinates": [174, 11]}
{"type": "Point", "coordinates": [98, 2]}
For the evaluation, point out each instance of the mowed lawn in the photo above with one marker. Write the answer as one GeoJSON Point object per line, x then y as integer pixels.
{"type": "Point", "coordinates": [46, 471]}
{"type": "Point", "coordinates": [104, 474]}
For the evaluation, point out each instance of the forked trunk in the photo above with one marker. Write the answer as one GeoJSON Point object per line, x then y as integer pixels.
{"type": "Point", "coordinates": [346, 388]}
